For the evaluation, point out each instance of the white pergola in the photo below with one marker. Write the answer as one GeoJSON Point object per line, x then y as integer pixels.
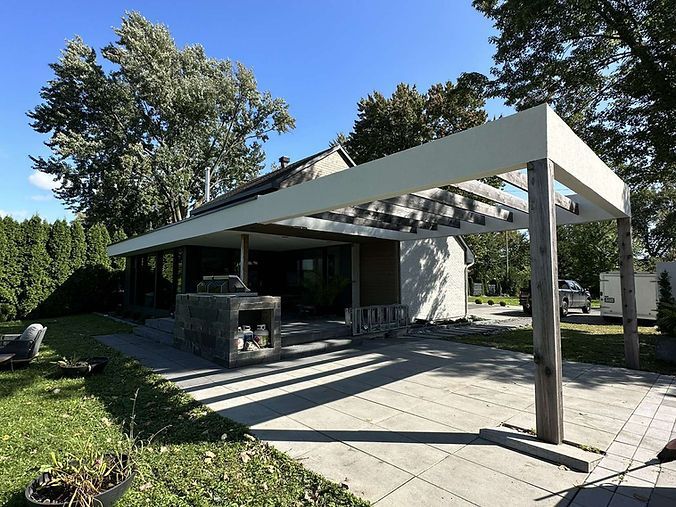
{"type": "Point", "coordinates": [401, 197]}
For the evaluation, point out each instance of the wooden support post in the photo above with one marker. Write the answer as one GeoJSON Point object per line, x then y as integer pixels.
{"type": "Point", "coordinates": [545, 301]}
{"type": "Point", "coordinates": [244, 259]}
{"type": "Point", "coordinates": [628, 289]}
{"type": "Point", "coordinates": [356, 285]}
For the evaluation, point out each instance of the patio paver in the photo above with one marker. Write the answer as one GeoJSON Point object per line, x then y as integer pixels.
{"type": "Point", "coordinates": [398, 421]}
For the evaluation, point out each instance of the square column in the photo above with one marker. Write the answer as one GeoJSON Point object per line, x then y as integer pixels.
{"type": "Point", "coordinates": [545, 302]}
{"type": "Point", "coordinates": [628, 290]}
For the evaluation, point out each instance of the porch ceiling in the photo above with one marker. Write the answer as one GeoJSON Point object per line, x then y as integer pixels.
{"type": "Point", "coordinates": [401, 196]}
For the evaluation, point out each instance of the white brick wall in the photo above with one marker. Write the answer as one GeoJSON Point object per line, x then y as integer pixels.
{"type": "Point", "coordinates": [330, 164]}
{"type": "Point", "coordinates": [433, 278]}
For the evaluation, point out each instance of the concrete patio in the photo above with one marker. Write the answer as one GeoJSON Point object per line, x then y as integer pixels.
{"type": "Point", "coordinates": [397, 421]}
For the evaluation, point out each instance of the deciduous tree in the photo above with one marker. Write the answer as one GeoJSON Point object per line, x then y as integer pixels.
{"type": "Point", "coordinates": [608, 67]}
{"type": "Point", "coordinates": [408, 118]}
{"type": "Point", "coordinates": [131, 136]}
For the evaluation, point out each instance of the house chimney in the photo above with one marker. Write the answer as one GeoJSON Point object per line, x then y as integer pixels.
{"type": "Point", "coordinates": [283, 161]}
{"type": "Point", "coordinates": [207, 185]}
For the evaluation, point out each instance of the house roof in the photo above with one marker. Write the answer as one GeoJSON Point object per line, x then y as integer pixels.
{"type": "Point", "coordinates": [269, 182]}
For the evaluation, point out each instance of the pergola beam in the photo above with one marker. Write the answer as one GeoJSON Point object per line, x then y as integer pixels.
{"type": "Point", "coordinates": [386, 217]}
{"type": "Point", "coordinates": [496, 195]}
{"type": "Point", "coordinates": [520, 180]}
{"type": "Point", "coordinates": [366, 222]}
{"type": "Point", "coordinates": [404, 212]}
{"type": "Point", "coordinates": [430, 206]}
{"type": "Point", "coordinates": [459, 201]}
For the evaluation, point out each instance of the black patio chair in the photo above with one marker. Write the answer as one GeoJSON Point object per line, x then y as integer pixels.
{"type": "Point", "coordinates": [24, 346]}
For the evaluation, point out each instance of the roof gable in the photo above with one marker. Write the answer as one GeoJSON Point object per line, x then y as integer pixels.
{"type": "Point", "coordinates": [325, 162]}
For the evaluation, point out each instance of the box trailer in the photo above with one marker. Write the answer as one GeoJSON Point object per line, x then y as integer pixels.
{"type": "Point", "coordinates": [646, 295]}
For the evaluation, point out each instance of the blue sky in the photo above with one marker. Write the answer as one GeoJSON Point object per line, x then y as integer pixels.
{"type": "Point", "coordinates": [320, 56]}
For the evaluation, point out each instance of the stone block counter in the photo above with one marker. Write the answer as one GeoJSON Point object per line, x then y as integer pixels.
{"type": "Point", "coordinates": [206, 325]}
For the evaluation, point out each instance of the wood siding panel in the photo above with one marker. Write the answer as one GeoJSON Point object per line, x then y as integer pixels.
{"type": "Point", "coordinates": [379, 273]}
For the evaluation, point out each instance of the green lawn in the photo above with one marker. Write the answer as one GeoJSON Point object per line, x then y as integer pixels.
{"type": "Point", "coordinates": [200, 459]}
{"type": "Point", "coordinates": [588, 343]}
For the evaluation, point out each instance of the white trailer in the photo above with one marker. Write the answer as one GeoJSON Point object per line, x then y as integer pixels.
{"type": "Point", "coordinates": [646, 295]}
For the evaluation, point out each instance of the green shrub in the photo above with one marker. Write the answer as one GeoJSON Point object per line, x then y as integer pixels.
{"type": "Point", "coordinates": [478, 301]}
{"type": "Point", "coordinates": [490, 302]}
{"type": "Point", "coordinates": [666, 306]}
{"type": "Point", "coordinates": [502, 303]}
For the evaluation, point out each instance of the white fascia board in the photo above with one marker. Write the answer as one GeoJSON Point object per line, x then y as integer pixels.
{"type": "Point", "coordinates": [582, 171]}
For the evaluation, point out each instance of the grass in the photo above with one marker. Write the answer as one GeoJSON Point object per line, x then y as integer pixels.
{"type": "Point", "coordinates": [588, 343]}
{"type": "Point", "coordinates": [200, 459]}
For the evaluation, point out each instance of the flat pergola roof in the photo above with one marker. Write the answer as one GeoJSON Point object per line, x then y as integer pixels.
{"type": "Point", "coordinates": [401, 197]}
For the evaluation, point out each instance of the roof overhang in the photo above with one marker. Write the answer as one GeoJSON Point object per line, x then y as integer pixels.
{"type": "Point", "coordinates": [495, 148]}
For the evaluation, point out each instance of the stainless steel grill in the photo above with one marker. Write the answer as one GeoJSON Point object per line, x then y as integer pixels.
{"type": "Point", "coordinates": [223, 284]}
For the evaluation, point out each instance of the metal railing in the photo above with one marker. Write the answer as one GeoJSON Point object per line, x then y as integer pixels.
{"type": "Point", "coordinates": [373, 319]}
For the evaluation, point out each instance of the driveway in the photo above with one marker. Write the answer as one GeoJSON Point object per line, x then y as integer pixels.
{"type": "Point", "coordinates": [397, 421]}
{"type": "Point", "coordinates": [497, 312]}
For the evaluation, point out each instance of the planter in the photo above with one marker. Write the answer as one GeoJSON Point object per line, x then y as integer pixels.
{"type": "Point", "coordinates": [104, 499]}
{"type": "Point", "coordinates": [77, 370]}
{"type": "Point", "coordinates": [665, 348]}
{"type": "Point", "coordinates": [97, 364]}
{"type": "Point", "coordinates": [88, 366]}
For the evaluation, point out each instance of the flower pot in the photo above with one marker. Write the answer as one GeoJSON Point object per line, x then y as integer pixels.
{"type": "Point", "coordinates": [104, 499]}
{"type": "Point", "coordinates": [77, 370]}
{"type": "Point", "coordinates": [97, 364]}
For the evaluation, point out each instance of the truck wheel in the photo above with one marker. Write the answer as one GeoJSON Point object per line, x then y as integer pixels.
{"type": "Point", "coordinates": [587, 307]}
{"type": "Point", "coordinates": [564, 308]}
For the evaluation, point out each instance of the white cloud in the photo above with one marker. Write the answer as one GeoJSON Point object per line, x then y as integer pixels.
{"type": "Point", "coordinates": [43, 181]}
{"type": "Point", "coordinates": [41, 197]}
{"type": "Point", "coordinates": [17, 215]}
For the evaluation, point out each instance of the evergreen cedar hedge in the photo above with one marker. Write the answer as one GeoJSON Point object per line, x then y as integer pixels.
{"type": "Point", "coordinates": [56, 269]}
{"type": "Point", "coordinates": [666, 307]}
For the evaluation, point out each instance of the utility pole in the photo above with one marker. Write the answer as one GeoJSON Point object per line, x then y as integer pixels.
{"type": "Point", "coordinates": [507, 255]}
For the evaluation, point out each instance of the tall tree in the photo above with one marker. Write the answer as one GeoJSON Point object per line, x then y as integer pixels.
{"type": "Point", "coordinates": [78, 245]}
{"type": "Point", "coordinates": [118, 263]}
{"type": "Point", "coordinates": [59, 248]}
{"type": "Point", "coordinates": [98, 240]}
{"type": "Point", "coordinates": [10, 266]}
{"type": "Point", "coordinates": [608, 67]}
{"type": "Point", "coordinates": [131, 138]}
{"type": "Point", "coordinates": [408, 118]}
{"type": "Point", "coordinates": [36, 280]}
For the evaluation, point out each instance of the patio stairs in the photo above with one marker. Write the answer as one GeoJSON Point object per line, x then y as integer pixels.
{"type": "Point", "coordinates": [159, 330]}
{"type": "Point", "coordinates": [319, 347]}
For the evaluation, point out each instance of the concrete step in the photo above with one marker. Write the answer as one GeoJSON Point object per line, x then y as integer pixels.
{"type": "Point", "coordinates": [294, 337]}
{"type": "Point", "coordinates": [165, 324]}
{"type": "Point", "coordinates": [154, 334]}
{"type": "Point", "coordinates": [319, 347]}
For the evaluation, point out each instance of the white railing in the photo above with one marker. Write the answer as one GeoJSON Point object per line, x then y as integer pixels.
{"type": "Point", "coordinates": [373, 319]}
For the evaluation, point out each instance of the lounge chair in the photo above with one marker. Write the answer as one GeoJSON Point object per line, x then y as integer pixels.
{"type": "Point", "coordinates": [24, 346]}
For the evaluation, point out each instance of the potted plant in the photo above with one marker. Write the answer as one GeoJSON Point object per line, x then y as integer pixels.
{"type": "Point", "coordinates": [73, 367]}
{"type": "Point", "coordinates": [91, 477]}
{"type": "Point", "coordinates": [76, 367]}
